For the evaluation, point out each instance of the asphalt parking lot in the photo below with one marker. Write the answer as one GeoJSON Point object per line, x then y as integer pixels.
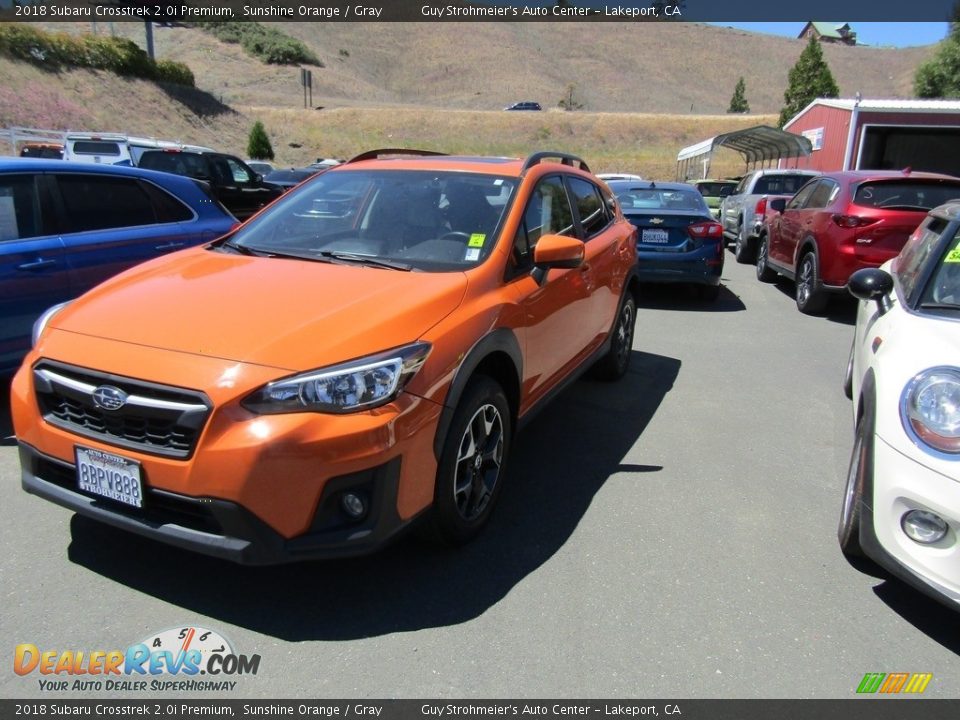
{"type": "Point", "coordinates": [670, 536]}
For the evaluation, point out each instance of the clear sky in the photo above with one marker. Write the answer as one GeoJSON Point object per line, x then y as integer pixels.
{"type": "Point", "coordinates": [869, 33]}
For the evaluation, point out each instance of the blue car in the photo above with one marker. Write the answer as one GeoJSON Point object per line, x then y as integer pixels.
{"type": "Point", "coordinates": [66, 226]}
{"type": "Point", "coordinates": [678, 240]}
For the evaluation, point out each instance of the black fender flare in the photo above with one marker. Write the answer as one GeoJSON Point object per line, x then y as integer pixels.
{"type": "Point", "coordinates": [501, 340]}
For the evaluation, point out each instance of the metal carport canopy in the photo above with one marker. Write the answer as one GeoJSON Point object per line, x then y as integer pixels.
{"type": "Point", "coordinates": [757, 144]}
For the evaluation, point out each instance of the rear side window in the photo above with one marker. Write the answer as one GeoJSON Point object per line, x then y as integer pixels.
{"type": "Point", "coordinates": [823, 195]}
{"type": "Point", "coordinates": [590, 206]}
{"type": "Point", "coordinates": [779, 184]}
{"type": "Point", "coordinates": [166, 207]}
{"type": "Point", "coordinates": [179, 163]}
{"type": "Point", "coordinates": [905, 195]}
{"type": "Point", "coordinates": [98, 203]}
{"type": "Point", "coordinates": [19, 208]}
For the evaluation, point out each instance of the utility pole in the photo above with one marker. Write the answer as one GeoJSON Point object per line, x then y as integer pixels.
{"type": "Point", "coordinates": [148, 27]}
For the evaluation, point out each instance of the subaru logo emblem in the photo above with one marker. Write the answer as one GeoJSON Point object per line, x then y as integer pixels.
{"type": "Point", "coordinates": [107, 397]}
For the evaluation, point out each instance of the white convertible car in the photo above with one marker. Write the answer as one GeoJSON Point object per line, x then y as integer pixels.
{"type": "Point", "coordinates": [901, 506]}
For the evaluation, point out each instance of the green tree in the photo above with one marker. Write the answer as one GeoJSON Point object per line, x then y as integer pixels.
{"type": "Point", "coordinates": [258, 144]}
{"type": "Point", "coordinates": [809, 79]}
{"type": "Point", "coordinates": [738, 103]}
{"type": "Point", "coordinates": [939, 77]}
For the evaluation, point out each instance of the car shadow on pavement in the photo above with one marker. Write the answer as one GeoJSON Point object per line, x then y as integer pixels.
{"type": "Point", "coordinates": [841, 308]}
{"type": "Point", "coordinates": [679, 296]}
{"type": "Point", "coordinates": [936, 621]}
{"type": "Point", "coordinates": [559, 462]}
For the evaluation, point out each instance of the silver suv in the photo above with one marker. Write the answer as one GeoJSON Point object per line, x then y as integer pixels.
{"type": "Point", "coordinates": [738, 211]}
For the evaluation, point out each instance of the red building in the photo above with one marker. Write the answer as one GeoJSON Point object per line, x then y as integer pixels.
{"type": "Point", "coordinates": [880, 134]}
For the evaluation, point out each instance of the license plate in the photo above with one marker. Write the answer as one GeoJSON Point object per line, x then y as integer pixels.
{"type": "Point", "coordinates": [655, 237]}
{"type": "Point", "coordinates": [109, 476]}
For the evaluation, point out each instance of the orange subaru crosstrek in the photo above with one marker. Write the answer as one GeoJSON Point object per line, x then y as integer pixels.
{"type": "Point", "coordinates": [356, 357]}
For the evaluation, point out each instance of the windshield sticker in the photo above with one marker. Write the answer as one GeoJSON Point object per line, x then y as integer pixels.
{"type": "Point", "coordinates": [953, 256]}
{"type": "Point", "coordinates": [477, 240]}
{"type": "Point", "coordinates": [473, 254]}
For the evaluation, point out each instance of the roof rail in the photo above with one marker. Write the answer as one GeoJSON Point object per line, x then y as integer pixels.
{"type": "Point", "coordinates": [384, 152]}
{"type": "Point", "coordinates": [564, 158]}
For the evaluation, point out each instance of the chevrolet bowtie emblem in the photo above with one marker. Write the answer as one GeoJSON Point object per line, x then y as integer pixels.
{"type": "Point", "coordinates": [656, 221]}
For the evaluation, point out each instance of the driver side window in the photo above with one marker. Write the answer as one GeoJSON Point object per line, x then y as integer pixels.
{"type": "Point", "coordinates": [548, 212]}
{"type": "Point", "coordinates": [798, 200]}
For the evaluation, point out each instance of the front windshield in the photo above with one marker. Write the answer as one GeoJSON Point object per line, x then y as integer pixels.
{"type": "Point", "coordinates": [943, 290]}
{"type": "Point", "coordinates": [425, 220]}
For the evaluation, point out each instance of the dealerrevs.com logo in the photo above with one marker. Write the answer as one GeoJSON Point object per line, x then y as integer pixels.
{"type": "Point", "coordinates": [894, 683]}
{"type": "Point", "coordinates": [172, 660]}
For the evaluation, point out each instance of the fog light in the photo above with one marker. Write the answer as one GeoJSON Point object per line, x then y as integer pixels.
{"type": "Point", "coordinates": [353, 505]}
{"type": "Point", "coordinates": [924, 527]}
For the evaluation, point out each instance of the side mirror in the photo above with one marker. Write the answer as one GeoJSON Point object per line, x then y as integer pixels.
{"type": "Point", "coordinates": [778, 204]}
{"type": "Point", "coordinates": [558, 251]}
{"type": "Point", "coordinates": [872, 284]}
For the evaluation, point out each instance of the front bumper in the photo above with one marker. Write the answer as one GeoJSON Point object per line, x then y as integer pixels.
{"type": "Point", "coordinates": [224, 529]}
{"type": "Point", "coordinates": [898, 484]}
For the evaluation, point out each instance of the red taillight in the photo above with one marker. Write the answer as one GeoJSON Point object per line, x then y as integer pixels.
{"type": "Point", "coordinates": [705, 230]}
{"type": "Point", "coordinates": [853, 221]}
{"type": "Point", "coordinates": [761, 208]}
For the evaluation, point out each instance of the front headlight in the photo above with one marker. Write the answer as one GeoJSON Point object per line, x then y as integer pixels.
{"type": "Point", "coordinates": [41, 322]}
{"type": "Point", "coordinates": [357, 385]}
{"type": "Point", "coordinates": [930, 409]}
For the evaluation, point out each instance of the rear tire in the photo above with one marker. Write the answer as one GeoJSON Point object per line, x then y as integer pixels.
{"type": "Point", "coordinates": [470, 472]}
{"type": "Point", "coordinates": [614, 364]}
{"type": "Point", "coordinates": [764, 273]}
{"type": "Point", "coordinates": [810, 296]}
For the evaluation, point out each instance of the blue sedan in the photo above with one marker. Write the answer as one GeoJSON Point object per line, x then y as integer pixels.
{"type": "Point", "coordinates": [67, 226]}
{"type": "Point", "coordinates": [678, 240]}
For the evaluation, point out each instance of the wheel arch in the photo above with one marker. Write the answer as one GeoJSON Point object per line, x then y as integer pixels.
{"type": "Point", "coordinates": [498, 356]}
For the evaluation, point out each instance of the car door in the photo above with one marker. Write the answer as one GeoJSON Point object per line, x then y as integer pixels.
{"type": "Point", "coordinates": [730, 205]}
{"type": "Point", "coordinates": [786, 227]}
{"type": "Point", "coordinates": [34, 272]}
{"type": "Point", "coordinates": [604, 241]}
{"type": "Point", "coordinates": [556, 304]}
{"type": "Point", "coordinates": [110, 223]}
{"type": "Point", "coordinates": [241, 186]}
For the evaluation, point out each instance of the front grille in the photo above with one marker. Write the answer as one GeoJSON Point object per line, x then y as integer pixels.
{"type": "Point", "coordinates": [155, 419]}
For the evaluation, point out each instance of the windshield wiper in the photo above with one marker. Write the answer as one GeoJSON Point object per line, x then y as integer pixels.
{"type": "Point", "coordinates": [365, 260]}
{"type": "Point", "coordinates": [243, 249]}
{"type": "Point", "coordinates": [939, 306]}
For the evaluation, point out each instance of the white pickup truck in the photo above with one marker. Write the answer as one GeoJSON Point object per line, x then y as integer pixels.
{"type": "Point", "coordinates": [738, 212]}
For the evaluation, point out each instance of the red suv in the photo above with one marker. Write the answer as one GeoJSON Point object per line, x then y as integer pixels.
{"type": "Point", "coordinates": [844, 221]}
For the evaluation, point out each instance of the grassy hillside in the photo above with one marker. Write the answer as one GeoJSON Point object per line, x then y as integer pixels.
{"type": "Point", "coordinates": [647, 89]}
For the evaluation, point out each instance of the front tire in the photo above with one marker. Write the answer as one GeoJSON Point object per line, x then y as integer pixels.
{"type": "Point", "coordinates": [470, 472]}
{"type": "Point", "coordinates": [848, 530]}
{"type": "Point", "coordinates": [614, 364]}
{"type": "Point", "coordinates": [811, 299]}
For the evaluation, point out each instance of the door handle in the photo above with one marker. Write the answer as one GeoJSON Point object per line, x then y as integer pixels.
{"type": "Point", "coordinates": [170, 246]}
{"type": "Point", "coordinates": [37, 265]}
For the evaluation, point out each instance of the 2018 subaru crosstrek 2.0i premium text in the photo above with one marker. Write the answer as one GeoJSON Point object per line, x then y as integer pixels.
{"type": "Point", "coordinates": [356, 357]}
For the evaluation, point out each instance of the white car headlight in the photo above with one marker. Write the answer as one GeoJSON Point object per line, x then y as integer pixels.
{"type": "Point", "coordinates": [41, 322]}
{"type": "Point", "coordinates": [357, 385]}
{"type": "Point", "coordinates": [930, 409]}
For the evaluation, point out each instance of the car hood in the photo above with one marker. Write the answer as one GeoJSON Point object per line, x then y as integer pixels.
{"type": "Point", "coordinates": [284, 313]}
